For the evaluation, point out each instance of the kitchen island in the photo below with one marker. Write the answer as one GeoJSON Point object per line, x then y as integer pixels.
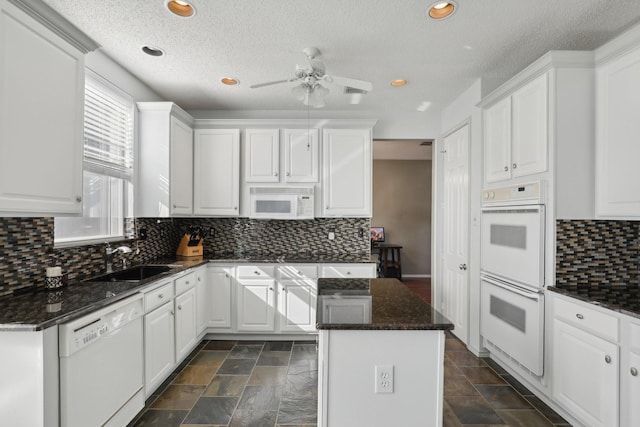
{"type": "Point", "coordinates": [381, 355]}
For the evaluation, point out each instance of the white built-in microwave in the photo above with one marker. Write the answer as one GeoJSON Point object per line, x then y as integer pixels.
{"type": "Point", "coordinates": [281, 202]}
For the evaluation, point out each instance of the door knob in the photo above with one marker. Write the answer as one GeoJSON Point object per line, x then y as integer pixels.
{"type": "Point", "coordinates": [462, 266]}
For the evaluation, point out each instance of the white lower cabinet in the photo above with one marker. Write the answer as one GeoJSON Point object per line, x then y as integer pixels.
{"type": "Point", "coordinates": [203, 309]}
{"type": "Point", "coordinates": [296, 306]}
{"type": "Point", "coordinates": [185, 309]}
{"type": "Point", "coordinates": [256, 305]}
{"type": "Point", "coordinates": [159, 346]}
{"type": "Point", "coordinates": [220, 284]}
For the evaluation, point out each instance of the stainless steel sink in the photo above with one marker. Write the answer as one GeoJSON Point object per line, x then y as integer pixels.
{"type": "Point", "coordinates": [133, 274]}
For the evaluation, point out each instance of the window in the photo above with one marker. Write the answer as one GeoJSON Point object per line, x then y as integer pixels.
{"type": "Point", "coordinates": [108, 166]}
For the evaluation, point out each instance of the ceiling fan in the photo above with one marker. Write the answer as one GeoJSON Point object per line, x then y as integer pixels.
{"type": "Point", "coordinates": [310, 91]}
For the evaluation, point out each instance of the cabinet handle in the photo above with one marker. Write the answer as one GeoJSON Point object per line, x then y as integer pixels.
{"type": "Point", "coordinates": [186, 282]}
{"type": "Point", "coordinates": [462, 266]}
{"type": "Point", "coordinates": [174, 206]}
{"type": "Point", "coordinates": [256, 272]}
{"type": "Point", "coordinates": [515, 166]}
{"type": "Point", "coordinates": [288, 173]}
{"type": "Point", "coordinates": [607, 358]}
{"type": "Point", "coordinates": [199, 279]}
{"type": "Point", "coordinates": [270, 288]}
{"type": "Point", "coordinates": [298, 273]}
{"type": "Point", "coordinates": [78, 199]}
{"type": "Point", "coordinates": [235, 208]}
{"type": "Point", "coordinates": [633, 372]}
{"type": "Point", "coordinates": [348, 272]}
{"type": "Point", "coordinates": [275, 174]}
{"type": "Point", "coordinates": [506, 168]}
{"type": "Point", "coordinates": [172, 312]}
{"type": "Point", "coordinates": [579, 316]}
{"type": "Point", "coordinates": [161, 296]}
{"type": "Point", "coordinates": [179, 307]}
{"type": "Point", "coordinates": [226, 275]}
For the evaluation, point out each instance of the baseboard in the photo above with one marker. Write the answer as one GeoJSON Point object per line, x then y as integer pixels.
{"type": "Point", "coordinates": [416, 276]}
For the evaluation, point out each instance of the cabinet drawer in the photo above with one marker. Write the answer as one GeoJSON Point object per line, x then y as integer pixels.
{"type": "Point", "coordinates": [298, 271]}
{"type": "Point", "coordinates": [158, 296]}
{"type": "Point", "coordinates": [255, 271]}
{"type": "Point", "coordinates": [186, 282]}
{"type": "Point", "coordinates": [358, 271]}
{"type": "Point", "coordinates": [587, 318]}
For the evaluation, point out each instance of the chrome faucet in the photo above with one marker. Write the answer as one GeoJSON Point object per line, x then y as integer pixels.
{"type": "Point", "coordinates": [109, 253]}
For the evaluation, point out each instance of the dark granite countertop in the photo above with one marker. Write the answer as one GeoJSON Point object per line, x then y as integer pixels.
{"type": "Point", "coordinates": [393, 305]}
{"type": "Point", "coordinates": [35, 308]}
{"type": "Point", "coordinates": [621, 298]}
{"type": "Point", "coordinates": [291, 259]}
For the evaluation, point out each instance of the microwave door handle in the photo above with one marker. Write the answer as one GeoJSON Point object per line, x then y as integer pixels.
{"type": "Point", "coordinates": [530, 295]}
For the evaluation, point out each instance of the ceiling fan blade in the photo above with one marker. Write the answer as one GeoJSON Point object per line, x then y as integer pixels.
{"type": "Point", "coordinates": [348, 82]}
{"type": "Point", "coordinates": [293, 79]}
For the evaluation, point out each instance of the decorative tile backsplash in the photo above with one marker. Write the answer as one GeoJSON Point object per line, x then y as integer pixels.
{"type": "Point", "coordinates": [26, 244]}
{"type": "Point", "coordinates": [592, 253]}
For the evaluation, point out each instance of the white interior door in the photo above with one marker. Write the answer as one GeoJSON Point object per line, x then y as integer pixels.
{"type": "Point", "coordinates": [454, 281]}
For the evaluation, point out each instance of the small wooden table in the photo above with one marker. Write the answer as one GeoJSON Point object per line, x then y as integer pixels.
{"type": "Point", "coordinates": [389, 259]}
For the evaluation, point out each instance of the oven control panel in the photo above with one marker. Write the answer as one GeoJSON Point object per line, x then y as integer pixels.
{"type": "Point", "coordinates": [530, 193]}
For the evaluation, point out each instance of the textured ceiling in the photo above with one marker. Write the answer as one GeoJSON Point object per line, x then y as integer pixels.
{"type": "Point", "coordinates": [375, 40]}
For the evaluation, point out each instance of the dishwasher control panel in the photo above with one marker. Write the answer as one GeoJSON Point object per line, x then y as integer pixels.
{"type": "Point", "coordinates": [79, 333]}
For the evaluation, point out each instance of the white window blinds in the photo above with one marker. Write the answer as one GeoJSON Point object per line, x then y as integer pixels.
{"type": "Point", "coordinates": [108, 129]}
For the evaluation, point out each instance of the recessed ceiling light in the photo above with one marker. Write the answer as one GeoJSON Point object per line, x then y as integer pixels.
{"type": "Point", "coordinates": [398, 83]}
{"type": "Point", "coordinates": [230, 81]}
{"type": "Point", "coordinates": [181, 8]}
{"type": "Point", "coordinates": [152, 51]}
{"type": "Point", "coordinates": [441, 10]}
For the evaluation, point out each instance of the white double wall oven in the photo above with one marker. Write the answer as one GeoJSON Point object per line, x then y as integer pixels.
{"type": "Point", "coordinates": [513, 275]}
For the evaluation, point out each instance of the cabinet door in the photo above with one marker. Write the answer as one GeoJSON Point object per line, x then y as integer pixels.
{"type": "Point", "coordinates": [159, 348]}
{"type": "Point", "coordinates": [203, 291]}
{"type": "Point", "coordinates": [185, 323]}
{"type": "Point", "coordinates": [41, 118]}
{"type": "Point", "coordinates": [296, 306]}
{"type": "Point", "coordinates": [262, 155]}
{"type": "Point", "coordinates": [529, 127]}
{"type": "Point", "coordinates": [585, 375]}
{"type": "Point", "coordinates": [617, 130]}
{"type": "Point", "coordinates": [497, 141]}
{"type": "Point", "coordinates": [346, 189]}
{"type": "Point", "coordinates": [301, 155]}
{"type": "Point", "coordinates": [256, 305]}
{"type": "Point", "coordinates": [633, 397]}
{"type": "Point", "coordinates": [220, 281]}
{"type": "Point", "coordinates": [181, 168]}
{"type": "Point", "coordinates": [217, 172]}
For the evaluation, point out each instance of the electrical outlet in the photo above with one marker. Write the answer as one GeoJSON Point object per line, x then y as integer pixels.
{"type": "Point", "coordinates": [332, 235]}
{"type": "Point", "coordinates": [360, 232]}
{"type": "Point", "coordinates": [384, 379]}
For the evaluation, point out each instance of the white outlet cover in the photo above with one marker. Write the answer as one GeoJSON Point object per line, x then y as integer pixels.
{"type": "Point", "coordinates": [384, 379]}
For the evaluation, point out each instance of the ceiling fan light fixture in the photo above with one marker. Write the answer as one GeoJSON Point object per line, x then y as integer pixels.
{"type": "Point", "coordinates": [230, 81]}
{"type": "Point", "coordinates": [441, 10]}
{"type": "Point", "coordinates": [181, 8]}
{"type": "Point", "coordinates": [398, 82]}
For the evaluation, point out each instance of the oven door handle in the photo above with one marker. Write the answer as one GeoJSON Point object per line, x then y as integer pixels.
{"type": "Point", "coordinates": [512, 288]}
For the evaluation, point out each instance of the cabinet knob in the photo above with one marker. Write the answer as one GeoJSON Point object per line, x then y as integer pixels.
{"type": "Point", "coordinates": [462, 266]}
{"type": "Point", "coordinates": [298, 273]}
{"type": "Point", "coordinates": [633, 372]}
{"type": "Point", "coordinates": [256, 272]}
{"type": "Point", "coordinates": [348, 272]}
{"type": "Point", "coordinates": [270, 288]}
{"type": "Point", "coordinates": [78, 199]}
{"type": "Point", "coordinates": [515, 165]}
{"type": "Point", "coordinates": [235, 208]}
{"type": "Point", "coordinates": [579, 316]}
{"type": "Point", "coordinates": [179, 307]}
{"type": "Point", "coordinates": [607, 358]}
{"type": "Point", "coordinates": [226, 275]}
{"type": "Point", "coordinates": [199, 279]}
{"type": "Point", "coordinates": [506, 168]}
{"type": "Point", "coordinates": [161, 296]}
{"type": "Point", "coordinates": [275, 174]}
{"type": "Point", "coordinates": [186, 282]}
{"type": "Point", "coordinates": [174, 206]}
{"type": "Point", "coordinates": [172, 312]}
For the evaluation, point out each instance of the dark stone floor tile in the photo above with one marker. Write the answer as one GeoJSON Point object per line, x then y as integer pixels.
{"type": "Point", "coordinates": [219, 345]}
{"type": "Point", "coordinates": [226, 385]}
{"type": "Point", "coordinates": [464, 358]}
{"type": "Point", "coordinates": [298, 410]}
{"type": "Point", "coordinates": [473, 410]}
{"type": "Point", "coordinates": [549, 413]}
{"type": "Point", "coordinates": [253, 418]}
{"type": "Point", "coordinates": [209, 357]}
{"type": "Point", "coordinates": [517, 385]}
{"type": "Point", "coordinates": [450, 369]}
{"type": "Point", "coordinates": [481, 375]}
{"type": "Point", "coordinates": [268, 375]}
{"type": "Point", "coordinates": [458, 386]}
{"type": "Point", "coordinates": [237, 367]}
{"type": "Point", "coordinates": [179, 397]}
{"type": "Point", "coordinates": [503, 397]}
{"type": "Point", "coordinates": [274, 358]}
{"type": "Point", "coordinates": [524, 418]}
{"type": "Point", "coordinates": [303, 384]}
{"type": "Point", "coordinates": [212, 410]}
{"type": "Point", "coordinates": [161, 418]}
{"type": "Point", "coordinates": [196, 374]}
{"type": "Point", "coordinates": [494, 365]}
{"type": "Point", "coordinates": [304, 350]}
{"type": "Point", "coordinates": [193, 353]}
{"type": "Point", "coordinates": [261, 397]}
{"type": "Point", "coordinates": [245, 351]}
{"type": "Point", "coordinates": [449, 419]}
{"type": "Point", "coordinates": [454, 345]}
{"type": "Point", "coordinates": [303, 366]}
{"type": "Point", "coordinates": [278, 346]}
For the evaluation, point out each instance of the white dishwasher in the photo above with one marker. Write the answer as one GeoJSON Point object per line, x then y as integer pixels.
{"type": "Point", "coordinates": [101, 366]}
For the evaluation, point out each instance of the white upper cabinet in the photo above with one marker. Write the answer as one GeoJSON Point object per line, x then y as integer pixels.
{"type": "Point", "coordinates": [165, 169]}
{"type": "Point", "coordinates": [217, 172]}
{"type": "Point", "coordinates": [617, 137]}
{"type": "Point", "coordinates": [262, 155]}
{"type": "Point", "coordinates": [346, 183]}
{"type": "Point", "coordinates": [301, 155]}
{"type": "Point", "coordinates": [41, 118]}
{"type": "Point", "coordinates": [515, 133]}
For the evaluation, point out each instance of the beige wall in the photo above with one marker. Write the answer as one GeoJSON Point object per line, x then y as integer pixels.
{"type": "Point", "coordinates": [402, 205]}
